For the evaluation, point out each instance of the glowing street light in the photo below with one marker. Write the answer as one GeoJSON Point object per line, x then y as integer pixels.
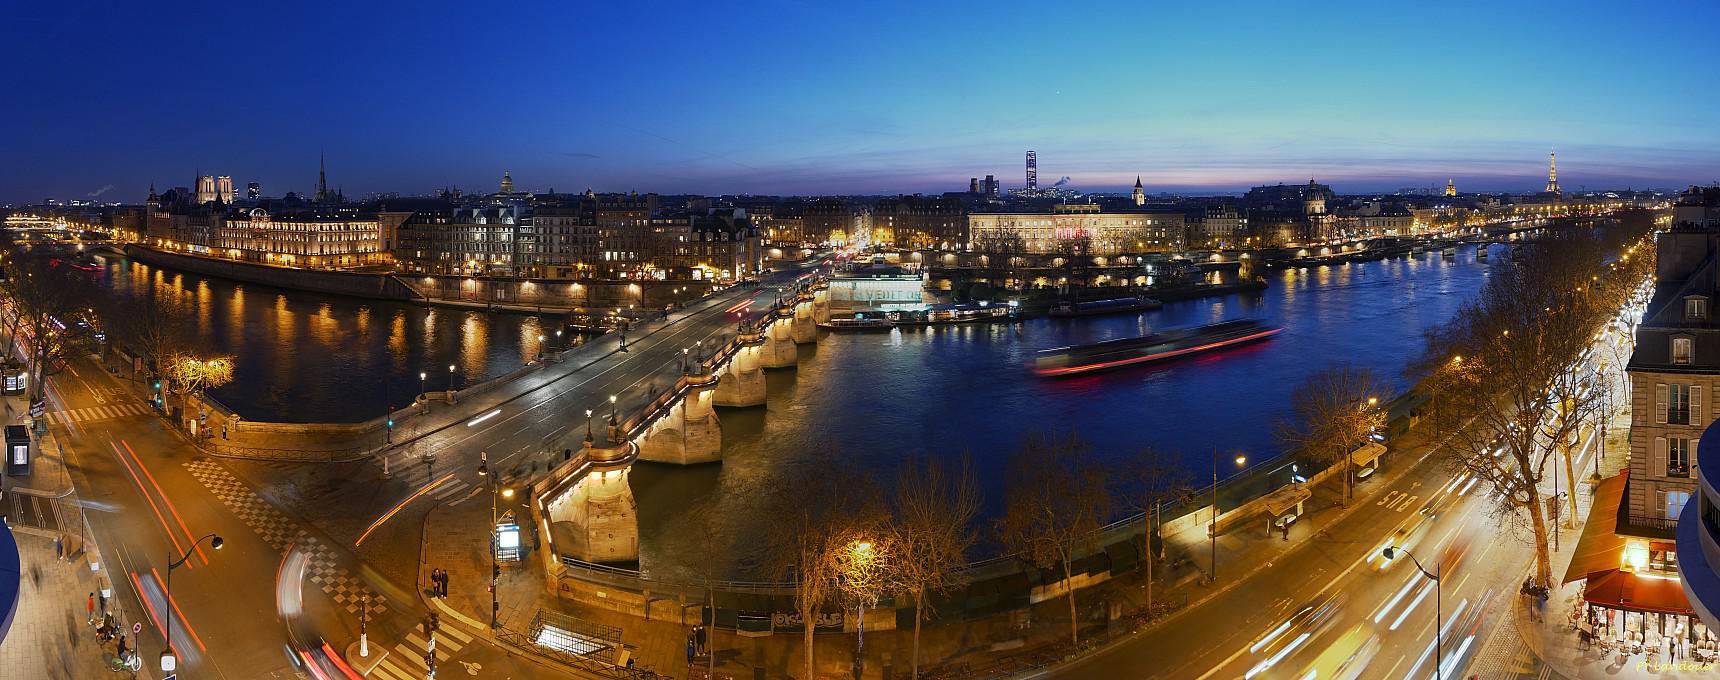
{"type": "Point", "coordinates": [1241, 460]}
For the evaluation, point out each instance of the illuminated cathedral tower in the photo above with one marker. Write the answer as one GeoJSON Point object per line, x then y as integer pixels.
{"type": "Point", "coordinates": [1450, 187]}
{"type": "Point", "coordinates": [1140, 193]}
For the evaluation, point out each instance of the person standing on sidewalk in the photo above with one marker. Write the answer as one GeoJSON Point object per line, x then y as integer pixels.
{"type": "Point", "coordinates": [90, 608]}
{"type": "Point", "coordinates": [691, 649]}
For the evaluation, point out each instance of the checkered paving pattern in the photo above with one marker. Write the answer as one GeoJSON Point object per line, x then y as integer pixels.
{"type": "Point", "coordinates": [279, 532]}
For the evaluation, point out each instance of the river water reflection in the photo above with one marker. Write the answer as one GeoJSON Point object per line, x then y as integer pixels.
{"type": "Point", "coordinates": [947, 390]}
{"type": "Point", "coordinates": [302, 357]}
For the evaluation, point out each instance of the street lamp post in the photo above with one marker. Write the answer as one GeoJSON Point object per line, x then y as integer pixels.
{"type": "Point", "coordinates": [450, 383]}
{"type": "Point", "coordinates": [612, 414]}
{"type": "Point", "coordinates": [169, 662]}
{"type": "Point", "coordinates": [1240, 461]}
{"type": "Point", "coordinates": [495, 571]}
{"type": "Point", "coordinates": [588, 427]}
{"type": "Point", "coordinates": [1438, 609]}
{"type": "Point", "coordinates": [421, 394]}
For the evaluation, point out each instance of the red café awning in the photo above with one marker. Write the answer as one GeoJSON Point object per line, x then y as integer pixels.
{"type": "Point", "coordinates": [1599, 548]}
{"type": "Point", "coordinates": [1617, 589]}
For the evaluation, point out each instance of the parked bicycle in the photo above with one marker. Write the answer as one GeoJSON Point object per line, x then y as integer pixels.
{"type": "Point", "coordinates": [125, 661]}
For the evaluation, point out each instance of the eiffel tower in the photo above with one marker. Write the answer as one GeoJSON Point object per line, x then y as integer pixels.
{"type": "Point", "coordinates": [1552, 173]}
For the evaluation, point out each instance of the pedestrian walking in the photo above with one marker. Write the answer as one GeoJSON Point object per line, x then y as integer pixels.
{"type": "Point", "coordinates": [121, 650]}
{"type": "Point", "coordinates": [699, 637]}
{"type": "Point", "coordinates": [690, 649]}
{"type": "Point", "coordinates": [444, 584]}
{"type": "Point", "coordinates": [1286, 528]}
{"type": "Point", "coordinates": [59, 548]}
{"type": "Point", "coordinates": [90, 608]}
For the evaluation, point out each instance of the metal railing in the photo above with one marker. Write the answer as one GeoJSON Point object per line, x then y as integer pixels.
{"type": "Point", "coordinates": [1662, 524]}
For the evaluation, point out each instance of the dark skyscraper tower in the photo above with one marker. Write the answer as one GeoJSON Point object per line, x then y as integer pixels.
{"type": "Point", "coordinates": [1032, 170]}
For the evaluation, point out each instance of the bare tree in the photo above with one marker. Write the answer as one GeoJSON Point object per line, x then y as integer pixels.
{"type": "Point", "coordinates": [819, 515]}
{"type": "Point", "coordinates": [1144, 482]}
{"type": "Point", "coordinates": [1056, 501]}
{"type": "Point", "coordinates": [931, 531]}
{"type": "Point", "coordinates": [43, 297]}
{"type": "Point", "coordinates": [1333, 411]}
{"type": "Point", "coordinates": [1520, 341]}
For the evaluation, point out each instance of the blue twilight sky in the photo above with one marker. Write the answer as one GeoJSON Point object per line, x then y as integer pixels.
{"type": "Point", "coordinates": [805, 96]}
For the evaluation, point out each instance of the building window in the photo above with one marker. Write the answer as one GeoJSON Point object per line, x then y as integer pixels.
{"type": "Point", "coordinates": [1695, 309]}
{"type": "Point", "coordinates": [1677, 404]}
{"type": "Point", "coordinates": [1661, 557]}
{"type": "Point", "coordinates": [1677, 457]}
{"type": "Point", "coordinates": [1682, 351]}
{"type": "Point", "coordinates": [1675, 501]}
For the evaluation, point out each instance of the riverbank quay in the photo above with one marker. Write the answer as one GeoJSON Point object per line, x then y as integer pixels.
{"type": "Point", "coordinates": [525, 296]}
{"type": "Point", "coordinates": [754, 633]}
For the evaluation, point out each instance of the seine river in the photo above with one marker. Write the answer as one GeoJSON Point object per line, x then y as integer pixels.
{"type": "Point", "coordinates": [943, 391]}
{"type": "Point", "coordinates": [878, 398]}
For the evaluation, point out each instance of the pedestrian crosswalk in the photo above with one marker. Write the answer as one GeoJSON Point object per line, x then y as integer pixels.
{"type": "Point", "coordinates": [93, 413]}
{"type": "Point", "coordinates": [406, 661]}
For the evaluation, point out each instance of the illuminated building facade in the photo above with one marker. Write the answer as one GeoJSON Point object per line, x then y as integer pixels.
{"type": "Point", "coordinates": [1078, 229]}
{"type": "Point", "coordinates": [324, 237]}
{"type": "Point", "coordinates": [916, 222]}
{"type": "Point", "coordinates": [466, 241]}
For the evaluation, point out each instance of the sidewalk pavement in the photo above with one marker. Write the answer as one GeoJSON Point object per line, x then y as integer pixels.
{"type": "Point", "coordinates": [51, 633]}
{"type": "Point", "coordinates": [457, 540]}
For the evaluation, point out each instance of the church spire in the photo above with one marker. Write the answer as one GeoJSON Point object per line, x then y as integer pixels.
{"type": "Point", "coordinates": [322, 179]}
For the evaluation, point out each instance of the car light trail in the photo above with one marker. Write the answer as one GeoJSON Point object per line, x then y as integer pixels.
{"type": "Point", "coordinates": [1407, 584]}
{"type": "Point", "coordinates": [1446, 668]}
{"type": "Point", "coordinates": [1406, 610]}
{"type": "Point", "coordinates": [1467, 487]}
{"type": "Point", "coordinates": [483, 418]}
{"type": "Point", "coordinates": [385, 517]}
{"type": "Point", "coordinates": [1429, 649]}
{"type": "Point", "coordinates": [311, 665]}
{"type": "Point", "coordinates": [339, 663]}
{"type": "Point", "coordinates": [1275, 658]}
{"type": "Point", "coordinates": [1269, 636]}
{"type": "Point", "coordinates": [140, 489]}
{"type": "Point", "coordinates": [181, 619]}
{"type": "Point", "coordinates": [195, 544]}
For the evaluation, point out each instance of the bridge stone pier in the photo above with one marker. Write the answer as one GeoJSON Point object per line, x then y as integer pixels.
{"type": "Point", "coordinates": [587, 505]}
{"type": "Point", "coordinates": [821, 303]}
{"type": "Point", "coordinates": [682, 428]}
{"type": "Point", "coordinates": [741, 381]}
{"type": "Point", "coordinates": [803, 327]}
{"type": "Point", "coordinates": [779, 347]}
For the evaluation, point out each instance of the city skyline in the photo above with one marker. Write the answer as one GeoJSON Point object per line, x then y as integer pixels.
{"type": "Point", "coordinates": [793, 99]}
